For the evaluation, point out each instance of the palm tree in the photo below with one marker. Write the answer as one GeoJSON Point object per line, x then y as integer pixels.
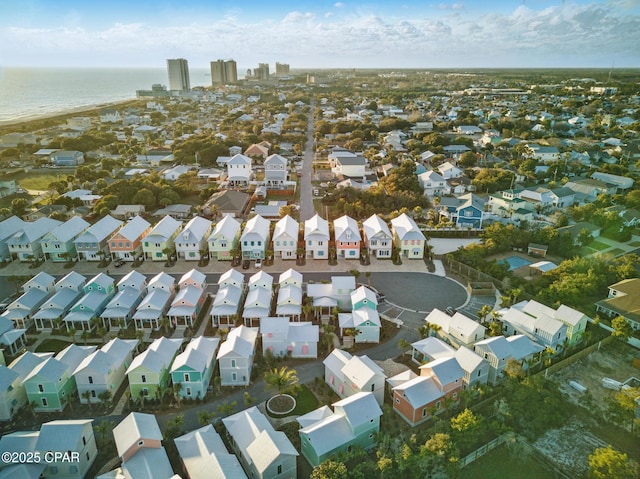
{"type": "Point", "coordinates": [105, 398]}
{"type": "Point", "coordinates": [85, 336]}
{"type": "Point", "coordinates": [71, 332]}
{"type": "Point", "coordinates": [404, 345]}
{"type": "Point", "coordinates": [227, 408]}
{"type": "Point", "coordinates": [355, 273]}
{"type": "Point", "coordinates": [424, 330]}
{"type": "Point", "coordinates": [164, 324]}
{"type": "Point", "coordinates": [484, 312]}
{"type": "Point", "coordinates": [103, 430]}
{"type": "Point", "coordinates": [205, 417]}
{"type": "Point", "coordinates": [282, 380]}
{"type": "Point", "coordinates": [87, 395]}
{"type": "Point", "coordinates": [177, 389]}
{"type": "Point", "coordinates": [367, 275]}
{"type": "Point", "coordinates": [142, 397]}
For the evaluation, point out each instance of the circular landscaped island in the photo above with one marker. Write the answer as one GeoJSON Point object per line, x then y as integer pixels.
{"type": "Point", "coordinates": [281, 404]}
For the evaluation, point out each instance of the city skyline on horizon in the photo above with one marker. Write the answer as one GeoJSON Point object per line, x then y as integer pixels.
{"type": "Point", "coordinates": [324, 34]}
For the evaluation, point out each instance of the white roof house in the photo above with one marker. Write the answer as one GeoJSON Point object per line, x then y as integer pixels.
{"type": "Point", "coordinates": [204, 455]}
{"type": "Point", "coordinates": [192, 239]}
{"type": "Point", "coordinates": [254, 237]}
{"type": "Point", "coordinates": [163, 231]}
{"type": "Point", "coordinates": [261, 279]}
{"type": "Point", "coordinates": [346, 229]}
{"type": "Point", "coordinates": [99, 231]}
{"type": "Point", "coordinates": [162, 281]}
{"type": "Point", "coordinates": [542, 328]}
{"type": "Point", "coordinates": [290, 277]}
{"type": "Point", "coordinates": [285, 237]}
{"type": "Point", "coordinates": [378, 236]}
{"type": "Point", "coordinates": [406, 229]}
{"type": "Point", "coordinates": [458, 329]}
{"type": "Point", "coordinates": [282, 337]}
{"type": "Point", "coordinates": [429, 349]}
{"type": "Point", "coordinates": [289, 301]}
{"type": "Point", "coordinates": [256, 305]}
{"type": "Point", "coordinates": [240, 342]}
{"type": "Point", "coordinates": [348, 374]}
{"type": "Point", "coordinates": [316, 237]}
{"type": "Point", "coordinates": [157, 356]}
{"type": "Point", "coordinates": [151, 309]}
{"type": "Point", "coordinates": [134, 228]}
{"type": "Point", "coordinates": [231, 277]}
{"type": "Point", "coordinates": [226, 304]}
{"type": "Point", "coordinates": [194, 278]}
{"type": "Point", "coordinates": [263, 450]}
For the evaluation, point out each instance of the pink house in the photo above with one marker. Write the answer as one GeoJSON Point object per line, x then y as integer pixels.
{"type": "Point", "coordinates": [348, 237]}
{"type": "Point", "coordinates": [126, 244]}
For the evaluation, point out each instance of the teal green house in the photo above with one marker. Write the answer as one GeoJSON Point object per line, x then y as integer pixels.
{"type": "Point", "coordinates": [354, 422]}
{"type": "Point", "coordinates": [149, 371]}
{"type": "Point", "coordinates": [51, 383]}
{"type": "Point", "coordinates": [194, 367]}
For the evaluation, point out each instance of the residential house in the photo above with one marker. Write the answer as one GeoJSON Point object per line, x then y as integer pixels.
{"type": "Point", "coordinates": [422, 397]}
{"type": "Point", "coordinates": [118, 312]}
{"type": "Point", "coordinates": [354, 422]}
{"type": "Point", "coordinates": [377, 237]}
{"type": "Point", "coordinates": [93, 244]}
{"type": "Point", "coordinates": [239, 171]}
{"type": "Point", "coordinates": [36, 292]}
{"type": "Point", "coordinates": [104, 369]}
{"type": "Point", "coordinates": [110, 116]}
{"type": "Point", "coordinates": [12, 339]}
{"type": "Point", "coordinates": [347, 236]}
{"type": "Point", "coordinates": [347, 375]}
{"type": "Point", "coordinates": [226, 303]}
{"type": "Point", "coordinates": [407, 237]}
{"type": "Point", "coordinates": [542, 329]}
{"type": "Point", "coordinates": [13, 395]}
{"type": "Point", "coordinates": [621, 182]}
{"type": "Point", "coordinates": [66, 158]}
{"type": "Point", "coordinates": [275, 171]}
{"type": "Point", "coordinates": [498, 351]}
{"type": "Point", "coordinates": [316, 237]}
{"type": "Point", "coordinates": [341, 289]}
{"type": "Point", "coordinates": [64, 435]}
{"type": "Point", "coordinates": [25, 245]}
{"type": "Point", "coordinates": [139, 444]}
{"type": "Point", "coordinates": [282, 337]}
{"type": "Point", "coordinates": [189, 299]}
{"type": "Point", "coordinates": [255, 238]}
{"type": "Point", "coordinates": [8, 228]}
{"type": "Point", "coordinates": [476, 369]}
{"type": "Point", "coordinates": [578, 230]}
{"type": "Point", "coordinates": [148, 373]}
{"type": "Point", "coordinates": [154, 306]}
{"type": "Point", "coordinates": [8, 188]}
{"type": "Point", "coordinates": [226, 203]}
{"type": "Point", "coordinates": [159, 243]}
{"type": "Point", "coordinates": [263, 452]}
{"type": "Point", "coordinates": [203, 455]}
{"type": "Point", "coordinates": [257, 304]}
{"type": "Point", "coordinates": [289, 301]}
{"type": "Point", "coordinates": [51, 384]}
{"type": "Point", "coordinates": [623, 300]}
{"type": "Point", "coordinates": [194, 367]}
{"type": "Point", "coordinates": [58, 245]}
{"type": "Point", "coordinates": [126, 244]}
{"type": "Point", "coordinates": [433, 183]}
{"type": "Point", "coordinates": [15, 442]}
{"type": "Point", "coordinates": [448, 170]}
{"type": "Point", "coordinates": [285, 238]}
{"type": "Point", "coordinates": [350, 166]}
{"type": "Point", "coordinates": [224, 239]}
{"type": "Point", "coordinates": [191, 243]}
{"type": "Point", "coordinates": [97, 293]}
{"type": "Point", "coordinates": [68, 291]}
{"type": "Point", "coordinates": [465, 211]}
{"type": "Point", "coordinates": [290, 278]}
{"type": "Point", "coordinates": [235, 356]}
{"type": "Point", "coordinates": [125, 212]}
{"type": "Point", "coordinates": [364, 317]}
{"type": "Point", "coordinates": [429, 349]}
{"type": "Point", "coordinates": [587, 190]}
{"type": "Point", "coordinates": [575, 321]}
{"type": "Point", "coordinates": [258, 150]}
{"type": "Point", "coordinates": [457, 330]}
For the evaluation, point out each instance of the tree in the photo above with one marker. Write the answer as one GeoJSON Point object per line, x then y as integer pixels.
{"type": "Point", "coordinates": [282, 380]}
{"type": "Point", "coordinates": [103, 429]}
{"type": "Point", "coordinates": [19, 206]}
{"type": "Point", "coordinates": [173, 427]}
{"type": "Point", "coordinates": [368, 276]}
{"type": "Point", "coordinates": [87, 395]}
{"type": "Point", "coordinates": [105, 398]}
{"type": "Point", "coordinates": [205, 417]}
{"type": "Point", "coordinates": [621, 328]}
{"type": "Point", "coordinates": [607, 463]}
{"type": "Point", "coordinates": [177, 390]}
{"type": "Point", "coordinates": [484, 312]}
{"type": "Point", "coordinates": [466, 428]}
{"type": "Point", "coordinates": [289, 210]}
{"type": "Point", "coordinates": [329, 470]}
{"type": "Point", "coordinates": [404, 345]}
{"type": "Point", "coordinates": [227, 408]}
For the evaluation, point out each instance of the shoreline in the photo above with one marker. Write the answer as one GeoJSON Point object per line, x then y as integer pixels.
{"type": "Point", "coordinates": [87, 109]}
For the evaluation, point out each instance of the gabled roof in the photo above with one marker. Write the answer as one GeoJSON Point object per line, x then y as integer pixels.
{"type": "Point", "coordinates": [62, 435]}
{"type": "Point", "coordinates": [360, 370]}
{"type": "Point", "coordinates": [56, 305]}
{"type": "Point", "coordinates": [74, 281]}
{"type": "Point", "coordinates": [433, 348]}
{"type": "Point", "coordinates": [11, 226]}
{"type": "Point", "coordinates": [240, 342]}
{"type": "Point", "coordinates": [227, 228]}
{"type": "Point", "coordinates": [257, 225]}
{"type": "Point", "coordinates": [134, 427]}
{"type": "Point", "coordinates": [194, 231]}
{"type": "Point", "coordinates": [161, 281]}
{"type": "Point", "coordinates": [239, 159]}
{"type": "Point", "coordinates": [316, 225]}
{"type": "Point", "coordinates": [228, 295]}
{"type": "Point", "coordinates": [67, 230]}
{"type": "Point", "coordinates": [41, 281]}
{"type": "Point", "coordinates": [346, 229]}
{"type": "Point", "coordinates": [73, 355]}
{"type": "Point", "coordinates": [104, 228]}
{"type": "Point", "coordinates": [406, 228]}
{"type": "Point", "coordinates": [261, 279]}
{"type": "Point", "coordinates": [522, 346]}
{"type": "Point", "coordinates": [157, 356]}
{"type": "Point", "coordinates": [50, 370]}
{"type": "Point", "coordinates": [290, 276]}
{"type": "Point", "coordinates": [467, 359]}
{"type": "Point", "coordinates": [134, 228]}
{"type": "Point", "coordinates": [446, 370]}
{"type": "Point", "coordinates": [193, 276]}
{"type": "Point", "coordinates": [122, 303]}
{"type": "Point", "coordinates": [420, 391]}
{"type": "Point", "coordinates": [134, 280]}
{"type": "Point", "coordinates": [164, 229]}
{"type": "Point", "coordinates": [231, 276]}
{"type": "Point", "coordinates": [497, 345]}
{"type": "Point", "coordinates": [26, 363]}
{"type": "Point", "coordinates": [102, 280]}
{"type": "Point", "coordinates": [32, 232]}
{"type": "Point", "coordinates": [198, 354]}
{"type": "Point", "coordinates": [360, 408]}
{"type": "Point", "coordinates": [291, 294]}
{"type": "Point", "coordinates": [375, 225]}
{"type": "Point", "coordinates": [156, 300]}
{"type": "Point", "coordinates": [364, 293]}
{"type": "Point", "coordinates": [7, 377]}
{"type": "Point", "coordinates": [286, 226]}
{"type": "Point", "coordinates": [275, 159]}
{"type": "Point", "coordinates": [457, 325]}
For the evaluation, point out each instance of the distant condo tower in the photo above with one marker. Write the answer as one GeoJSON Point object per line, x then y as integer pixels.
{"type": "Point", "coordinates": [178, 70]}
{"type": "Point", "coordinates": [282, 69]}
{"type": "Point", "coordinates": [224, 72]}
{"type": "Point", "coordinates": [262, 72]}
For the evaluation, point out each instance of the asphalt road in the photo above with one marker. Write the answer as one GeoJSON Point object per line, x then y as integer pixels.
{"type": "Point", "coordinates": [306, 199]}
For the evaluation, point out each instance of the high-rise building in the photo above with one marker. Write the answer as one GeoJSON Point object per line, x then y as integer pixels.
{"type": "Point", "coordinates": [262, 72]}
{"type": "Point", "coordinates": [282, 69]}
{"type": "Point", "coordinates": [224, 72]}
{"type": "Point", "coordinates": [178, 70]}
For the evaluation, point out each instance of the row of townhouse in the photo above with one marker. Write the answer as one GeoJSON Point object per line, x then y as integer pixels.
{"type": "Point", "coordinates": [56, 241]}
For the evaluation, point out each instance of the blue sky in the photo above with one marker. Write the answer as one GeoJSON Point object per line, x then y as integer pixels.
{"type": "Point", "coordinates": [322, 34]}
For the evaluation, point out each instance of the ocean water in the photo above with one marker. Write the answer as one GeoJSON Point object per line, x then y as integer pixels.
{"type": "Point", "coordinates": [33, 92]}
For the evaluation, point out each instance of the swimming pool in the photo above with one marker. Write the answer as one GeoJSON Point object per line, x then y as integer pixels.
{"type": "Point", "coordinates": [515, 262]}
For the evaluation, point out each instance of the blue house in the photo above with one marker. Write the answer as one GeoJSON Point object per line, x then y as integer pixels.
{"type": "Point", "coordinates": [194, 367]}
{"type": "Point", "coordinates": [465, 211]}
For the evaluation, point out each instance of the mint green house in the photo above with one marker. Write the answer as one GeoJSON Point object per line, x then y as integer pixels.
{"type": "Point", "coordinates": [149, 372]}
{"type": "Point", "coordinates": [224, 239]}
{"type": "Point", "coordinates": [58, 244]}
{"type": "Point", "coordinates": [160, 239]}
{"type": "Point", "coordinates": [194, 367]}
{"type": "Point", "coordinates": [51, 383]}
{"type": "Point", "coordinates": [354, 421]}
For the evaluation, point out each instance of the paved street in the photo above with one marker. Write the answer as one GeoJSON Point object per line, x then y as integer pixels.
{"type": "Point", "coordinates": [306, 199]}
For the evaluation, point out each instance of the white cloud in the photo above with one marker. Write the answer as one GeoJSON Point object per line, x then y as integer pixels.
{"type": "Point", "coordinates": [338, 4]}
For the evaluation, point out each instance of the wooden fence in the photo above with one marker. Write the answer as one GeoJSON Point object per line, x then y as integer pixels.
{"type": "Point", "coordinates": [482, 450]}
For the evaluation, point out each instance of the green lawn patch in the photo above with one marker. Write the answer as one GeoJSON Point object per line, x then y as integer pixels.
{"type": "Point", "coordinates": [52, 346]}
{"type": "Point", "coordinates": [502, 462]}
{"type": "Point", "coordinates": [306, 402]}
{"type": "Point", "coordinates": [597, 245]}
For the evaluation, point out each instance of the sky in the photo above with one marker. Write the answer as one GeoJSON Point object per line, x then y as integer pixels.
{"type": "Point", "coordinates": [322, 34]}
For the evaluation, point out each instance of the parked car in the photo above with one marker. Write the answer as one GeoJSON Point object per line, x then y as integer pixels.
{"type": "Point", "coordinates": [118, 262]}
{"type": "Point", "coordinates": [258, 263]}
{"type": "Point", "coordinates": [450, 310]}
{"type": "Point", "coordinates": [245, 264]}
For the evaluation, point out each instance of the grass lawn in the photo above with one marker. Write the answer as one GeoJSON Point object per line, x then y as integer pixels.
{"type": "Point", "coordinates": [597, 245]}
{"type": "Point", "coordinates": [501, 462]}
{"type": "Point", "coordinates": [52, 346]}
{"type": "Point", "coordinates": [305, 402]}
